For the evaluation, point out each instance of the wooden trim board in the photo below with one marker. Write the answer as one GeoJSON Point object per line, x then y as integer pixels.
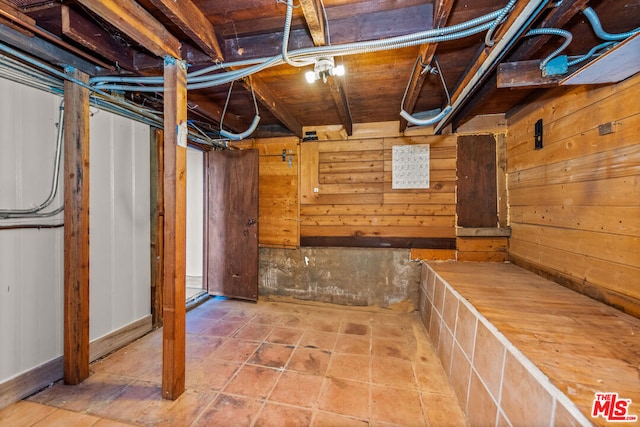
{"type": "Point", "coordinates": [41, 376]}
{"type": "Point", "coordinates": [119, 338]}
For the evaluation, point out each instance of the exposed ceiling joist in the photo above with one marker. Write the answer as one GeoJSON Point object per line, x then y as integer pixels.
{"type": "Point", "coordinates": [312, 10]}
{"type": "Point", "coordinates": [488, 58]}
{"type": "Point", "coordinates": [342, 103]}
{"type": "Point", "coordinates": [557, 17]}
{"type": "Point", "coordinates": [524, 74]}
{"type": "Point", "coordinates": [426, 53]}
{"type": "Point", "coordinates": [267, 98]}
{"type": "Point", "coordinates": [134, 21]}
{"type": "Point", "coordinates": [344, 29]}
{"type": "Point", "coordinates": [13, 18]}
{"type": "Point", "coordinates": [253, 30]}
{"type": "Point", "coordinates": [90, 35]}
{"type": "Point", "coordinates": [313, 14]}
{"type": "Point", "coordinates": [613, 66]}
{"type": "Point", "coordinates": [13, 15]}
{"type": "Point", "coordinates": [46, 51]}
{"type": "Point", "coordinates": [190, 19]}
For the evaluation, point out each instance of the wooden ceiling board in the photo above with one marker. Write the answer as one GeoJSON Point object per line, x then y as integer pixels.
{"type": "Point", "coordinates": [374, 83]}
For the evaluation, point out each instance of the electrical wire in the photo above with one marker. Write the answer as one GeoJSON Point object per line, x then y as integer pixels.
{"type": "Point", "coordinates": [241, 69]}
{"type": "Point", "coordinates": [11, 213]}
{"type": "Point", "coordinates": [37, 226]}
{"type": "Point", "coordinates": [553, 32]}
{"type": "Point", "coordinates": [488, 39]}
{"type": "Point", "coordinates": [600, 32]}
{"type": "Point", "coordinates": [591, 53]}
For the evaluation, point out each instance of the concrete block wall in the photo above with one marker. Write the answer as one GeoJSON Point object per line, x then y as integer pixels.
{"type": "Point", "coordinates": [383, 277]}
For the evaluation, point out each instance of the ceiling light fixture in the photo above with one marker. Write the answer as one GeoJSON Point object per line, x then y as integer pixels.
{"type": "Point", "coordinates": [323, 68]}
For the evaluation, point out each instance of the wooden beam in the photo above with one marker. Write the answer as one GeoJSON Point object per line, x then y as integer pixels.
{"type": "Point", "coordinates": [46, 51]}
{"type": "Point", "coordinates": [175, 192]}
{"type": "Point", "coordinates": [613, 66]}
{"type": "Point", "coordinates": [12, 13]}
{"type": "Point", "coordinates": [313, 14]}
{"type": "Point", "coordinates": [488, 58]}
{"type": "Point", "coordinates": [76, 230]}
{"type": "Point", "coordinates": [130, 18]}
{"type": "Point", "coordinates": [342, 103]}
{"type": "Point", "coordinates": [190, 19]}
{"type": "Point", "coordinates": [524, 74]}
{"type": "Point", "coordinates": [557, 17]}
{"type": "Point", "coordinates": [90, 35]}
{"type": "Point", "coordinates": [273, 104]}
{"type": "Point", "coordinates": [352, 24]}
{"type": "Point", "coordinates": [426, 53]}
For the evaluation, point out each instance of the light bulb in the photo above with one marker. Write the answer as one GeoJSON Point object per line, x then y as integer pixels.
{"type": "Point", "coordinates": [310, 76]}
{"type": "Point", "coordinates": [338, 70]}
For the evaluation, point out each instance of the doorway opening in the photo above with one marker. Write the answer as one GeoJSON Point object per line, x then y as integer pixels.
{"type": "Point", "coordinates": [195, 225]}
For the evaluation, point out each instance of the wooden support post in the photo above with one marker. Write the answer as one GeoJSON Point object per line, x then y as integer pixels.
{"type": "Point", "coordinates": [76, 230]}
{"type": "Point", "coordinates": [175, 207]}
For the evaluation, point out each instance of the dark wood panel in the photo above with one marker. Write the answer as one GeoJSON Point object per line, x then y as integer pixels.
{"type": "Point", "coordinates": [477, 192]}
{"type": "Point", "coordinates": [157, 225]}
{"type": "Point", "coordinates": [232, 240]}
{"type": "Point", "coordinates": [379, 242]}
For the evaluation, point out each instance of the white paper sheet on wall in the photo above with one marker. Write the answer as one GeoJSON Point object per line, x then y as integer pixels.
{"type": "Point", "coordinates": [410, 166]}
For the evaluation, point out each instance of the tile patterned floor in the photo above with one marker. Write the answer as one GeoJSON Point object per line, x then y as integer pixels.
{"type": "Point", "coordinates": [265, 364]}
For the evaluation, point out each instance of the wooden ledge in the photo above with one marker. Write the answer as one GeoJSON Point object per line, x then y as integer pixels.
{"type": "Point", "coordinates": [483, 232]}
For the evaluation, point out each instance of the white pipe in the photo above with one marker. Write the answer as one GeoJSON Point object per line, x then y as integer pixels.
{"type": "Point", "coordinates": [425, 122]}
{"type": "Point", "coordinates": [243, 135]}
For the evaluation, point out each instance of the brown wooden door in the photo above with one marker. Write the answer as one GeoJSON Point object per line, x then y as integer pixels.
{"type": "Point", "coordinates": [232, 224]}
{"type": "Point", "coordinates": [477, 191]}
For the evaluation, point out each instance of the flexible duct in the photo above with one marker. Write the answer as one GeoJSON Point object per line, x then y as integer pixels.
{"type": "Point", "coordinates": [431, 120]}
{"type": "Point", "coordinates": [600, 32]}
{"type": "Point", "coordinates": [243, 135]}
{"type": "Point", "coordinates": [428, 121]}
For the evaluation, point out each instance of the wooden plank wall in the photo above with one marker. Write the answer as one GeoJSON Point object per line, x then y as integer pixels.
{"type": "Point", "coordinates": [278, 224]}
{"type": "Point", "coordinates": [575, 204]}
{"type": "Point", "coordinates": [346, 191]}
